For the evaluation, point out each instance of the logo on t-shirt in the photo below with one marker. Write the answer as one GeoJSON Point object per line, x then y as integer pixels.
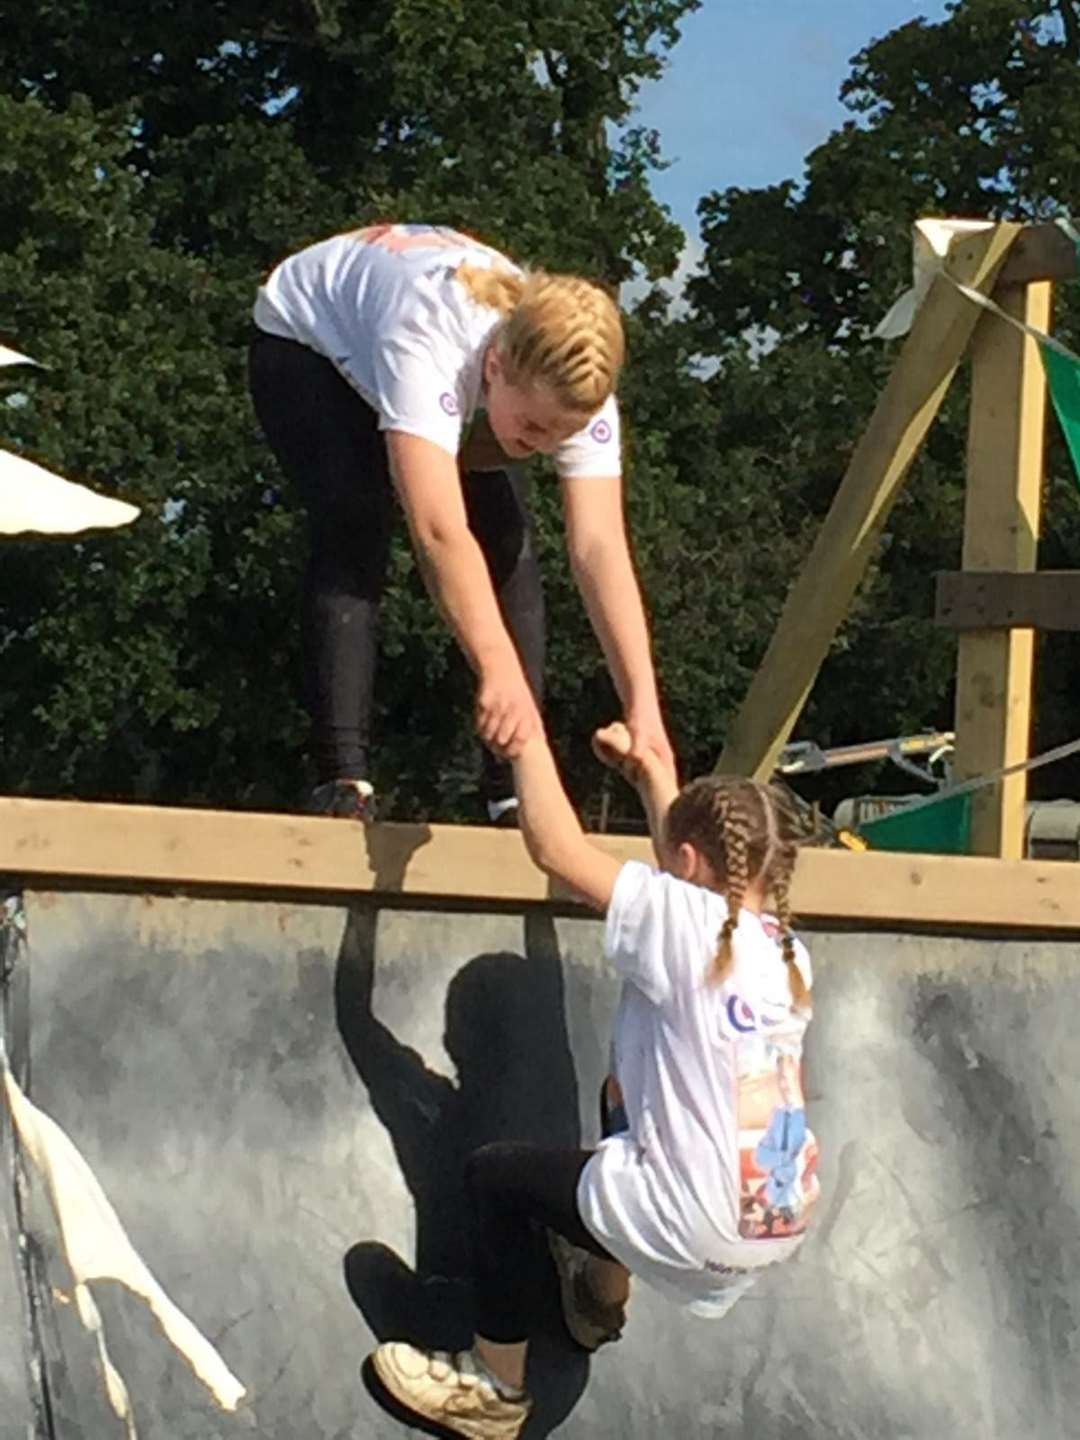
{"type": "Point", "coordinates": [600, 431]}
{"type": "Point", "coordinates": [740, 1016]}
{"type": "Point", "coordinates": [449, 403]}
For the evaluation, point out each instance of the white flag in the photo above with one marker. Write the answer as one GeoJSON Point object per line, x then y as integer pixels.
{"type": "Point", "coordinates": [98, 1249]}
{"type": "Point", "coordinates": [32, 498]}
{"type": "Point", "coordinates": [12, 357]}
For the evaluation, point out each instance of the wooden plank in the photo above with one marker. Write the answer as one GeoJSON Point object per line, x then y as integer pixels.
{"type": "Point", "coordinates": [1001, 530]}
{"type": "Point", "coordinates": [243, 850]}
{"type": "Point", "coordinates": [1001, 600]}
{"type": "Point", "coordinates": [820, 598]}
{"type": "Point", "coordinates": [46, 844]}
{"type": "Point", "coordinates": [1041, 252]}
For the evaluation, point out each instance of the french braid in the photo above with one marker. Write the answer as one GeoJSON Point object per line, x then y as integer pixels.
{"type": "Point", "coordinates": [561, 331]}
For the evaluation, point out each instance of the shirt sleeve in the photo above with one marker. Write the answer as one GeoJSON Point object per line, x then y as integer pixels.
{"type": "Point", "coordinates": [420, 393]}
{"type": "Point", "coordinates": [595, 450]}
{"type": "Point", "coordinates": [634, 932]}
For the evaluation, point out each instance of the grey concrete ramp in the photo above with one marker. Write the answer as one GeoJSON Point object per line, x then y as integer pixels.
{"type": "Point", "coordinates": [278, 1099]}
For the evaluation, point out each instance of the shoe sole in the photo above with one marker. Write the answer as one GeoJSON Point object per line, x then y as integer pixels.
{"type": "Point", "coordinates": [395, 1408]}
{"type": "Point", "coordinates": [402, 1407]}
{"type": "Point", "coordinates": [583, 1332]}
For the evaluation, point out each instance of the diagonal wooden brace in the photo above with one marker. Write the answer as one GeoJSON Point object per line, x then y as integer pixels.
{"type": "Point", "coordinates": [821, 597]}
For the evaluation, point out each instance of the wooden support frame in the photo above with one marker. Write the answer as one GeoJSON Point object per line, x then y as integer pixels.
{"type": "Point", "coordinates": [73, 845]}
{"type": "Point", "coordinates": [1006, 433]}
{"type": "Point", "coordinates": [820, 598]}
{"type": "Point", "coordinates": [1000, 599]}
{"type": "Point", "coordinates": [1041, 252]}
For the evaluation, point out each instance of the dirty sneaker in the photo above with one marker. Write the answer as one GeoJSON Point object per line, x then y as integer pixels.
{"type": "Point", "coordinates": [346, 799]}
{"type": "Point", "coordinates": [590, 1321]}
{"type": "Point", "coordinates": [503, 814]}
{"type": "Point", "coordinates": [449, 1391]}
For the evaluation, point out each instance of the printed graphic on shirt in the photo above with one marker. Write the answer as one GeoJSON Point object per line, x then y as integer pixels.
{"type": "Point", "coordinates": [399, 238]}
{"type": "Point", "coordinates": [778, 1154]}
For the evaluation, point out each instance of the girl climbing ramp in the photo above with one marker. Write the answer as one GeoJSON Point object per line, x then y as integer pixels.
{"type": "Point", "coordinates": [705, 1187]}
{"type": "Point", "coordinates": [411, 361]}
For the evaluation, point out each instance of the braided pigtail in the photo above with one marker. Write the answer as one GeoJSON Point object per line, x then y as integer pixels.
{"type": "Point", "coordinates": [778, 873]}
{"type": "Point", "coordinates": [800, 992]}
{"type": "Point", "coordinates": [735, 824]}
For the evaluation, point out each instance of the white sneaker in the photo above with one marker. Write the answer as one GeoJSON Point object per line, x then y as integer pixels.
{"type": "Point", "coordinates": [347, 799]}
{"type": "Point", "coordinates": [590, 1321]}
{"type": "Point", "coordinates": [503, 814]}
{"type": "Point", "coordinates": [449, 1391]}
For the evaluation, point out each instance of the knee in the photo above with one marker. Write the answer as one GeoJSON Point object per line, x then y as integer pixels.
{"type": "Point", "coordinates": [339, 568]}
{"type": "Point", "coordinates": [485, 1166]}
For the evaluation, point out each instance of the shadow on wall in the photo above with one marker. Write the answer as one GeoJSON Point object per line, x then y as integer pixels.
{"type": "Point", "coordinates": [506, 1035]}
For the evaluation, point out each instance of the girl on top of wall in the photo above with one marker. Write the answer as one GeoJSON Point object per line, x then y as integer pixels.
{"type": "Point", "coordinates": [707, 1049]}
{"type": "Point", "coordinates": [411, 360]}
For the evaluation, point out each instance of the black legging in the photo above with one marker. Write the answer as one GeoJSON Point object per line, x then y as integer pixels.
{"type": "Point", "coordinates": [513, 1187]}
{"type": "Point", "coordinates": [327, 440]}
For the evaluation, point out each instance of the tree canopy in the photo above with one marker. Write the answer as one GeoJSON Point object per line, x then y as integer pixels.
{"type": "Point", "coordinates": [157, 157]}
{"type": "Point", "coordinates": [975, 115]}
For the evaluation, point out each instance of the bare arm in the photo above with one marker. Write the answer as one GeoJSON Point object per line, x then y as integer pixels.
{"type": "Point", "coordinates": [600, 559]}
{"type": "Point", "coordinates": [455, 572]}
{"type": "Point", "coordinates": [655, 782]}
{"type": "Point", "coordinates": [553, 832]}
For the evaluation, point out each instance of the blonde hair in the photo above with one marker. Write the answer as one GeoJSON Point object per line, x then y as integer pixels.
{"type": "Point", "coordinates": [747, 832]}
{"type": "Point", "coordinates": [558, 330]}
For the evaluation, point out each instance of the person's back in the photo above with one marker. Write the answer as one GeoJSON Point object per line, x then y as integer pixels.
{"type": "Point", "coordinates": [698, 1060]}
{"type": "Point", "coordinates": [381, 301]}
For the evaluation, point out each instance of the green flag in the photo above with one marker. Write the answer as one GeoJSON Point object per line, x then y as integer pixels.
{"type": "Point", "coordinates": [1063, 380]}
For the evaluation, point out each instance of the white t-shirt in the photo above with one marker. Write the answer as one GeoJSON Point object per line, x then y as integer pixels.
{"type": "Point", "coordinates": [382, 305]}
{"type": "Point", "coordinates": [716, 1175]}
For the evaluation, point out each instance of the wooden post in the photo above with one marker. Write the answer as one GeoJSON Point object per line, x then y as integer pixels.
{"type": "Point", "coordinates": [1001, 532]}
{"type": "Point", "coordinates": [820, 598]}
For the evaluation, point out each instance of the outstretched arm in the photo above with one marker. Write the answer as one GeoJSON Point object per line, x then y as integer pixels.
{"type": "Point", "coordinates": [604, 571]}
{"type": "Point", "coordinates": [654, 780]}
{"type": "Point", "coordinates": [456, 574]}
{"type": "Point", "coordinates": [553, 832]}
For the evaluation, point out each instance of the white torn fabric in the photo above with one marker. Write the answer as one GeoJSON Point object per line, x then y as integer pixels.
{"type": "Point", "coordinates": [32, 498]}
{"type": "Point", "coordinates": [98, 1249]}
{"type": "Point", "coordinates": [932, 241]}
{"type": "Point", "coordinates": [930, 247]}
{"type": "Point", "coordinates": [12, 357]}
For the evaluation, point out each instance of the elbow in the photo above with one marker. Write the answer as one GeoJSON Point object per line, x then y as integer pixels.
{"type": "Point", "coordinates": [582, 556]}
{"type": "Point", "coordinates": [545, 856]}
{"type": "Point", "coordinates": [433, 535]}
{"type": "Point", "coordinates": [592, 553]}
{"type": "Point", "coordinates": [540, 853]}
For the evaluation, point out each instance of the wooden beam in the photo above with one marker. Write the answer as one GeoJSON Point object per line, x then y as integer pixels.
{"type": "Point", "coordinates": [1041, 252]}
{"type": "Point", "coordinates": [1001, 600]}
{"type": "Point", "coordinates": [53, 844]}
{"type": "Point", "coordinates": [1001, 530]}
{"type": "Point", "coordinates": [820, 598]}
{"type": "Point", "coordinates": [242, 850]}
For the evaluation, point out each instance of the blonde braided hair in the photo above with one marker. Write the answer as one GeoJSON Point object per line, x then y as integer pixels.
{"type": "Point", "coordinates": [560, 331]}
{"type": "Point", "coordinates": [747, 832]}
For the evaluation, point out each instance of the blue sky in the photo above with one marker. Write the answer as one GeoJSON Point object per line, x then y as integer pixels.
{"type": "Point", "coordinates": [745, 97]}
